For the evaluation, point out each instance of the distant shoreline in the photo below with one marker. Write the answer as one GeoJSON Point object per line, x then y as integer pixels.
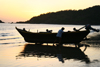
{"type": "Point", "coordinates": [54, 24]}
{"type": "Point", "coordinates": [46, 23]}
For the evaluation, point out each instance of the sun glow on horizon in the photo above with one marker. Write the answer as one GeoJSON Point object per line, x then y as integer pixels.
{"type": "Point", "coordinates": [23, 10]}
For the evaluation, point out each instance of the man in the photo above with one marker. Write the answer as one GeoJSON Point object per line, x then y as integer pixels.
{"type": "Point", "coordinates": [59, 36]}
{"type": "Point", "coordinates": [87, 27]}
{"type": "Point", "coordinates": [49, 31]}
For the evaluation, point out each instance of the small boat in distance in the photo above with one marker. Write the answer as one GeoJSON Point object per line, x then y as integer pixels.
{"type": "Point", "coordinates": [46, 37]}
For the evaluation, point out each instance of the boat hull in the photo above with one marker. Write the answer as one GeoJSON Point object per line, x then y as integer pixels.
{"type": "Point", "coordinates": [67, 37]}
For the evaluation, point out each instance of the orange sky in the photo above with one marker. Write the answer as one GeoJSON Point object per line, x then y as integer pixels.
{"type": "Point", "coordinates": [22, 10]}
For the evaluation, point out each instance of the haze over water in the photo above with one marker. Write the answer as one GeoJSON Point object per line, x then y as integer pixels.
{"type": "Point", "coordinates": [12, 44]}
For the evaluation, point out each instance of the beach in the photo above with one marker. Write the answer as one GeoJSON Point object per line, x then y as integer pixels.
{"type": "Point", "coordinates": [15, 52]}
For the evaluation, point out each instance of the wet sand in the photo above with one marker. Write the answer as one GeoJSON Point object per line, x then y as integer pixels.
{"type": "Point", "coordinates": [30, 55]}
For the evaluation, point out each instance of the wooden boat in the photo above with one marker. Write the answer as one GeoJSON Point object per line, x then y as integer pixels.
{"type": "Point", "coordinates": [45, 37]}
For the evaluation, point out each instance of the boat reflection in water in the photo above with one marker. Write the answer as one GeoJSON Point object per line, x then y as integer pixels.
{"type": "Point", "coordinates": [62, 53]}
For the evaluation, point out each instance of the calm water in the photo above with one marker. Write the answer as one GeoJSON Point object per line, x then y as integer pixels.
{"type": "Point", "coordinates": [12, 45]}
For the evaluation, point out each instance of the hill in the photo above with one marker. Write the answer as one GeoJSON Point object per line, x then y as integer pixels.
{"type": "Point", "coordinates": [89, 15]}
{"type": "Point", "coordinates": [1, 21]}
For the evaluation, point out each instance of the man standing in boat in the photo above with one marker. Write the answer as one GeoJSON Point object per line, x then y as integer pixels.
{"type": "Point", "coordinates": [59, 36]}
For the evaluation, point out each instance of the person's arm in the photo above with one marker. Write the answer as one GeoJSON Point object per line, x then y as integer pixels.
{"type": "Point", "coordinates": [81, 28]}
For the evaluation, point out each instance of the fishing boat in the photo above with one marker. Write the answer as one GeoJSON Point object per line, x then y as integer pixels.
{"type": "Point", "coordinates": [45, 37]}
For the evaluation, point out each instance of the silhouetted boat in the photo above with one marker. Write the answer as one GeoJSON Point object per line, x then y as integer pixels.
{"type": "Point", "coordinates": [45, 37]}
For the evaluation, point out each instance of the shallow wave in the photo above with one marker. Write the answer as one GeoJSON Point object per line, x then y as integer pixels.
{"type": "Point", "coordinates": [94, 36]}
{"type": "Point", "coordinates": [5, 34]}
{"type": "Point", "coordinates": [11, 43]}
{"type": "Point", "coordinates": [10, 38]}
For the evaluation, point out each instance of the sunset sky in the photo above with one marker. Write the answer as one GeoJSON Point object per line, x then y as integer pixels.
{"type": "Point", "coordinates": [23, 10]}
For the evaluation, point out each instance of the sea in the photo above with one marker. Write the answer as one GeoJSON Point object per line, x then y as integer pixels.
{"type": "Point", "coordinates": [14, 51]}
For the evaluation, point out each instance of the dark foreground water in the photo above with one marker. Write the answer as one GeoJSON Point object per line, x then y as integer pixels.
{"type": "Point", "coordinates": [15, 52]}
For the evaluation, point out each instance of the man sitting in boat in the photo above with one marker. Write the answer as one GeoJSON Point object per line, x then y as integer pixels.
{"type": "Point", "coordinates": [49, 31]}
{"type": "Point", "coordinates": [24, 29]}
{"type": "Point", "coordinates": [75, 29]}
{"type": "Point", "coordinates": [87, 27]}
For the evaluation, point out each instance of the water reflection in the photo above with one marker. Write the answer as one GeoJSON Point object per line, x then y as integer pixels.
{"type": "Point", "coordinates": [62, 53]}
{"type": "Point", "coordinates": [93, 43]}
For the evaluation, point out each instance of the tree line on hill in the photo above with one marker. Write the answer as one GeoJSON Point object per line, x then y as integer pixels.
{"type": "Point", "coordinates": [89, 15]}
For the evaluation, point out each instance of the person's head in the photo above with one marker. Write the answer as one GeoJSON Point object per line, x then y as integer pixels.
{"type": "Point", "coordinates": [23, 28]}
{"type": "Point", "coordinates": [46, 29]}
{"type": "Point", "coordinates": [74, 28]}
{"type": "Point", "coordinates": [62, 28]}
